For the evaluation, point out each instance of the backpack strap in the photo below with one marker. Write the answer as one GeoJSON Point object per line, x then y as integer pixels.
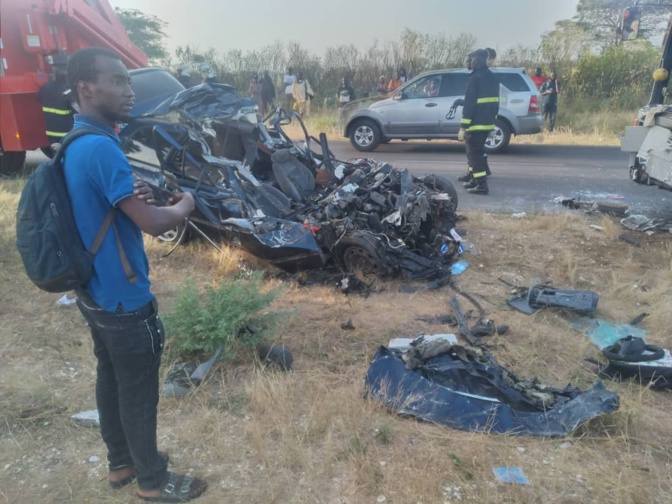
{"type": "Point", "coordinates": [111, 215]}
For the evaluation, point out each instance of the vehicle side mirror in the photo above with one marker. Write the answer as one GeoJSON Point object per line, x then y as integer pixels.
{"type": "Point", "coordinates": [398, 96]}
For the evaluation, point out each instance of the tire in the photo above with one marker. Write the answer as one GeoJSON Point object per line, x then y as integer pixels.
{"type": "Point", "coordinates": [499, 139]}
{"type": "Point", "coordinates": [11, 163]}
{"type": "Point", "coordinates": [174, 234]}
{"type": "Point", "coordinates": [360, 256]}
{"type": "Point", "coordinates": [365, 135]}
{"type": "Point", "coordinates": [444, 185]}
{"type": "Point", "coordinates": [275, 357]}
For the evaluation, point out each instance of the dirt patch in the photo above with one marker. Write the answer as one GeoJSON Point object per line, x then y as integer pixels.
{"type": "Point", "coordinates": [310, 435]}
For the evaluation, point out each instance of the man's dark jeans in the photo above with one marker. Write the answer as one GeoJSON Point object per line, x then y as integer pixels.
{"type": "Point", "coordinates": [128, 346]}
{"type": "Point", "coordinates": [550, 111]}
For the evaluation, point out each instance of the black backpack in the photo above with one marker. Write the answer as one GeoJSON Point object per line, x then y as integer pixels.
{"type": "Point", "coordinates": [47, 238]}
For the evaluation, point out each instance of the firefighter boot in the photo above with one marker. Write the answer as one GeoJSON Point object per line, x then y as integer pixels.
{"type": "Point", "coordinates": [465, 178]}
{"type": "Point", "coordinates": [470, 184]}
{"type": "Point", "coordinates": [481, 187]}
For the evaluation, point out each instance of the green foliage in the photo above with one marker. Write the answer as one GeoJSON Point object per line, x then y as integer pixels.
{"type": "Point", "coordinates": [227, 315]}
{"type": "Point", "coordinates": [145, 31]}
{"type": "Point", "coordinates": [621, 74]}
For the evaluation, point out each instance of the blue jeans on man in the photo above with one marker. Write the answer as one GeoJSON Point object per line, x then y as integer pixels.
{"type": "Point", "coordinates": [128, 346]}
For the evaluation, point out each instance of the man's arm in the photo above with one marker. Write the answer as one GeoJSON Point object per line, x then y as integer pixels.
{"type": "Point", "coordinates": [157, 220]}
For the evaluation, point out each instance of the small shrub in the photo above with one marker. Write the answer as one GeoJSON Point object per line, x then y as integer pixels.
{"type": "Point", "coordinates": [226, 315]}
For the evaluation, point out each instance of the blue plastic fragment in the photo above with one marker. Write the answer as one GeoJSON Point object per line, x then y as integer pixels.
{"type": "Point", "coordinates": [511, 475]}
{"type": "Point", "coordinates": [459, 267]}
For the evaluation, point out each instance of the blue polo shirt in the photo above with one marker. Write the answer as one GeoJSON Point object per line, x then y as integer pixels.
{"type": "Point", "coordinates": [98, 177]}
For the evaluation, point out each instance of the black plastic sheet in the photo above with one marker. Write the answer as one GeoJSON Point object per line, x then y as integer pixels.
{"type": "Point", "coordinates": [479, 397]}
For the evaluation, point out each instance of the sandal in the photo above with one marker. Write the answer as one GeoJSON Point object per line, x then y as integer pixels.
{"type": "Point", "coordinates": [116, 485]}
{"type": "Point", "coordinates": [178, 488]}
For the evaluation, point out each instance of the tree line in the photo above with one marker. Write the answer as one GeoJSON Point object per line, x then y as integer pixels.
{"type": "Point", "coordinates": [586, 51]}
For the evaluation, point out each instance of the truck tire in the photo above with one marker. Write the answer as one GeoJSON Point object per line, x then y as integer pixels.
{"type": "Point", "coordinates": [365, 135]}
{"type": "Point", "coordinates": [11, 163]}
{"type": "Point", "coordinates": [499, 139]}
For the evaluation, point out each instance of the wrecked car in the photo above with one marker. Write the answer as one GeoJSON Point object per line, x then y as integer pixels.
{"type": "Point", "coordinates": [281, 201]}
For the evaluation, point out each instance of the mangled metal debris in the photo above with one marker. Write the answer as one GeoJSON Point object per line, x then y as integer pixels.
{"type": "Point", "coordinates": [467, 389]}
{"type": "Point", "coordinates": [285, 203]}
{"type": "Point", "coordinates": [539, 296]}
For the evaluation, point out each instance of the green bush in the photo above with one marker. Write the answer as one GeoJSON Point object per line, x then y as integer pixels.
{"type": "Point", "coordinates": [227, 315]}
{"type": "Point", "coordinates": [620, 78]}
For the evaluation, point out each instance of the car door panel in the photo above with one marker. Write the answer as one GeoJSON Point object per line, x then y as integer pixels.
{"type": "Point", "coordinates": [414, 113]}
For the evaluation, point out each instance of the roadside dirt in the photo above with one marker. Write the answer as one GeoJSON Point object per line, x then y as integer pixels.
{"type": "Point", "coordinates": [310, 435]}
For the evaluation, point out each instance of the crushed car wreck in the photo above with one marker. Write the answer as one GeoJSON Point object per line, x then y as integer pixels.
{"type": "Point", "coordinates": [281, 201]}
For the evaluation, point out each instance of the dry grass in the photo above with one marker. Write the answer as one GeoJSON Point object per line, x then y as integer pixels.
{"type": "Point", "coordinates": [573, 128]}
{"type": "Point", "coordinates": [310, 436]}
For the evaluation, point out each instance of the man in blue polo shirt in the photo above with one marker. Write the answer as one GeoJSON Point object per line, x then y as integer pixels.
{"type": "Point", "coordinates": [122, 313]}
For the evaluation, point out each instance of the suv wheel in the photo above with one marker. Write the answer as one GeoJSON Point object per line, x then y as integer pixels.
{"type": "Point", "coordinates": [365, 135]}
{"type": "Point", "coordinates": [499, 138]}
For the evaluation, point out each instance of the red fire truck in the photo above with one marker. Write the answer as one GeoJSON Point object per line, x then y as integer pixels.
{"type": "Point", "coordinates": [35, 34]}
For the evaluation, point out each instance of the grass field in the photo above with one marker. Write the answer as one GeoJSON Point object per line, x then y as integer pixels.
{"type": "Point", "coordinates": [310, 436]}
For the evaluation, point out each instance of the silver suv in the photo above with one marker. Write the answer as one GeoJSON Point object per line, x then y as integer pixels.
{"type": "Point", "coordinates": [422, 108]}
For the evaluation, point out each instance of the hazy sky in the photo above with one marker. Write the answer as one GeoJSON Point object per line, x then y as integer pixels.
{"type": "Point", "coordinates": [250, 24]}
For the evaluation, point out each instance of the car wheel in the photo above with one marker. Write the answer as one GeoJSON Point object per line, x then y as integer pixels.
{"type": "Point", "coordinates": [360, 255]}
{"type": "Point", "coordinates": [174, 235]}
{"type": "Point", "coordinates": [499, 139]}
{"type": "Point", "coordinates": [11, 163]}
{"type": "Point", "coordinates": [444, 185]}
{"type": "Point", "coordinates": [365, 135]}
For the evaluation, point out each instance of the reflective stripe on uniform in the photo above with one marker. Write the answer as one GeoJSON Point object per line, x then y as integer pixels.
{"type": "Point", "coordinates": [481, 127]}
{"type": "Point", "coordinates": [466, 121]}
{"type": "Point", "coordinates": [491, 99]}
{"type": "Point", "coordinates": [56, 134]}
{"type": "Point", "coordinates": [480, 174]}
{"type": "Point", "coordinates": [56, 111]}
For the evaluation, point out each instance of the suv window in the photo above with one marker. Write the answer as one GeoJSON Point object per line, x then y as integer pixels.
{"type": "Point", "coordinates": [427, 87]}
{"type": "Point", "coordinates": [454, 84]}
{"type": "Point", "coordinates": [513, 82]}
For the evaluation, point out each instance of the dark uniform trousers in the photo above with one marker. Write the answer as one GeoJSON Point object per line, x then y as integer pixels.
{"type": "Point", "coordinates": [476, 156]}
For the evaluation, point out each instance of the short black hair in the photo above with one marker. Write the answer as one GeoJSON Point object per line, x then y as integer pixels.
{"type": "Point", "coordinates": [82, 66]}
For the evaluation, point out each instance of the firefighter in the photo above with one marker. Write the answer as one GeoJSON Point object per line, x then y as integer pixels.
{"type": "Point", "coordinates": [481, 104]}
{"type": "Point", "coordinates": [57, 107]}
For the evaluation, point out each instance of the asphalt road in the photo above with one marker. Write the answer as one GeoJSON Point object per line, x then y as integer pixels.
{"type": "Point", "coordinates": [527, 178]}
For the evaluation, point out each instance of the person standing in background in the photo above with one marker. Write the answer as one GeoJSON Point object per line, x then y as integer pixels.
{"type": "Point", "coordinates": [395, 83]}
{"type": "Point", "coordinates": [550, 91]}
{"type": "Point", "coordinates": [303, 95]}
{"type": "Point", "coordinates": [345, 93]}
{"type": "Point", "coordinates": [381, 88]}
{"type": "Point", "coordinates": [539, 78]}
{"type": "Point", "coordinates": [255, 90]}
{"type": "Point", "coordinates": [56, 106]}
{"type": "Point", "coordinates": [267, 93]}
{"type": "Point", "coordinates": [289, 80]}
